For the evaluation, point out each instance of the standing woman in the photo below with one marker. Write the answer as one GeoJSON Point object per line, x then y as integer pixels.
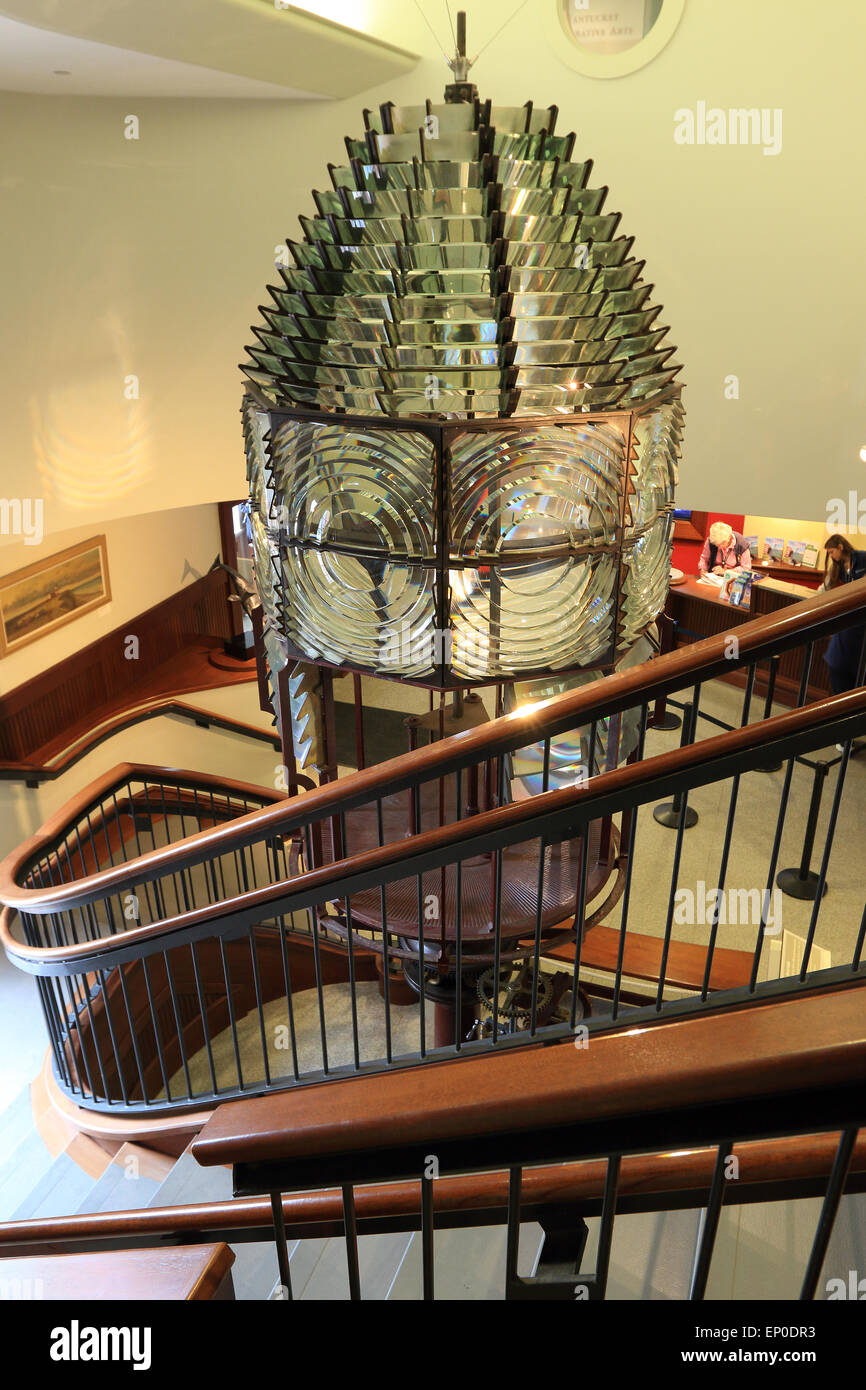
{"type": "Point", "coordinates": [842, 656]}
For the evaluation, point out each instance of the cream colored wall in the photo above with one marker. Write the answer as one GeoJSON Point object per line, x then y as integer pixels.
{"type": "Point", "coordinates": [146, 557]}
{"type": "Point", "coordinates": [148, 257]}
{"type": "Point", "coordinates": [165, 742]}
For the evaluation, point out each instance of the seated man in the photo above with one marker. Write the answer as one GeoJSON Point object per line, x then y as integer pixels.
{"type": "Point", "coordinates": [724, 549]}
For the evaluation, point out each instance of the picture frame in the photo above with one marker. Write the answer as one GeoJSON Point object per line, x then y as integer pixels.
{"type": "Point", "coordinates": [42, 597]}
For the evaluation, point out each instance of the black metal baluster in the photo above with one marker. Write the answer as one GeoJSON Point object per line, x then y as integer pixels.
{"type": "Point", "coordinates": [626, 895]}
{"type": "Point", "coordinates": [152, 915]}
{"type": "Point", "coordinates": [861, 938]}
{"type": "Point", "coordinates": [353, 999]}
{"type": "Point", "coordinates": [536, 953]}
{"type": "Point", "coordinates": [121, 838]}
{"type": "Point", "coordinates": [287, 981]}
{"type": "Point", "coordinates": [85, 994]}
{"type": "Point", "coordinates": [281, 1244]}
{"type": "Point", "coordinates": [257, 986]}
{"type": "Point", "coordinates": [177, 1022]}
{"type": "Point", "coordinates": [690, 719]}
{"type": "Point", "coordinates": [711, 1224]}
{"type": "Point", "coordinates": [458, 923]}
{"type": "Point", "coordinates": [155, 1023]}
{"type": "Point", "coordinates": [605, 1234]}
{"type": "Point", "coordinates": [825, 859]}
{"type": "Point", "coordinates": [312, 917]}
{"type": "Point", "coordinates": [70, 1010]}
{"type": "Point", "coordinates": [186, 874]}
{"type": "Point", "coordinates": [512, 1236]}
{"type": "Point", "coordinates": [231, 1008]}
{"type": "Point", "coordinates": [54, 1034]}
{"type": "Point", "coordinates": [771, 875]}
{"type": "Point", "coordinates": [726, 844]}
{"type": "Point", "coordinates": [133, 1032]}
{"type": "Point", "coordinates": [458, 950]}
{"type": "Point", "coordinates": [168, 840]}
{"type": "Point", "coordinates": [101, 977]}
{"type": "Point", "coordinates": [579, 913]}
{"type": "Point", "coordinates": [497, 942]}
{"type": "Point", "coordinates": [420, 909]}
{"type": "Point", "coordinates": [427, 1268]}
{"type": "Point", "coordinates": [593, 739]}
{"type": "Point", "coordinates": [96, 856]}
{"type": "Point", "coordinates": [351, 1229]}
{"type": "Point", "coordinates": [64, 1029]}
{"type": "Point", "coordinates": [829, 1209]}
{"type": "Point", "coordinates": [218, 858]}
{"type": "Point", "coordinates": [385, 940]}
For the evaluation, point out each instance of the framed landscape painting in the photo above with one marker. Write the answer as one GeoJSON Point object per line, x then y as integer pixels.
{"type": "Point", "coordinates": [42, 597]}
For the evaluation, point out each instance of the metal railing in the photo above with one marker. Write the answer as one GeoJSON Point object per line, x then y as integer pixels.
{"type": "Point", "coordinates": [575, 1140]}
{"type": "Point", "coordinates": [185, 933]}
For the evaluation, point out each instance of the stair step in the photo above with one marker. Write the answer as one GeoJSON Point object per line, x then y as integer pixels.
{"type": "Point", "coordinates": [379, 1259]}
{"type": "Point", "coordinates": [16, 1122]}
{"type": "Point", "coordinates": [468, 1263]}
{"type": "Point", "coordinates": [58, 1192]}
{"type": "Point", "coordinates": [24, 1167]}
{"type": "Point", "coordinates": [127, 1184]}
{"type": "Point", "coordinates": [652, 1254]}
{"type": "Point", "coordinates": [255, 1272]}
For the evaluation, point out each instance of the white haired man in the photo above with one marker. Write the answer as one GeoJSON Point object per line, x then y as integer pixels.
{"type": "Point", "coordinates": [724, 549]}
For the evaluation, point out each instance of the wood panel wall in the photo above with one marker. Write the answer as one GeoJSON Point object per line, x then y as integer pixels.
{"type": "Point", "coordinates": [100, 677]}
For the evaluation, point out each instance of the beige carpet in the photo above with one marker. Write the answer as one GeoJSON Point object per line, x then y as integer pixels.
{"type": "Point", "coordinates": [405, 1038]}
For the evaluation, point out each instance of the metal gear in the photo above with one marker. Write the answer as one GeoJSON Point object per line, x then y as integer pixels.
{"type": "Point", "coordinates": [515, 982]}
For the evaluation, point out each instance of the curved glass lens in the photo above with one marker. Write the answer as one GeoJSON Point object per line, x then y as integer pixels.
{"type": "Point", "coordinates": [511, 488]}
{"type": "Point", "coordinates": [458, 223]}
{"type": "Point", "coordinates": [528, 616]}
{"type": "Point", "coordinates": [356, 489]}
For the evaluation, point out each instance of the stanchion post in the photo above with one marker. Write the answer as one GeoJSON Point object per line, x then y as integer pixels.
{"type": "Point", "coordinates": [802, 882]}
{"type": "Point", "coordinates": [669, 812]}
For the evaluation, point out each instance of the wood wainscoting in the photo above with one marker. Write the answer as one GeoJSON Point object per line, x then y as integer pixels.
{"type": "Point", "coordinates": [44, 715]}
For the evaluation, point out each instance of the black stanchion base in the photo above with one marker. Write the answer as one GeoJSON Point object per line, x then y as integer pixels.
{"type": "Point", "coordinates": [666, 813]}
{"type": "Point", "coordinates": [668, 722]}
{"type": "Point", "coordinates": [768, 767]}
{"type": "Point", "coordinates": [791, 882]}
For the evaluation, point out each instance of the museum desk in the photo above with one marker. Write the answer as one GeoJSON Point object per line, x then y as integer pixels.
{"type": "Point", "coordinates": [697, 610]}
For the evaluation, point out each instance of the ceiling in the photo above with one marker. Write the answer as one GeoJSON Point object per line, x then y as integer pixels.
{"type": "Point", "coordinates": [190, 48]}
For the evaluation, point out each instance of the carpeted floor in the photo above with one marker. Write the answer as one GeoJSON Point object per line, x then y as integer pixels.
{"type": "Point", "coordinates": [405, 1038]}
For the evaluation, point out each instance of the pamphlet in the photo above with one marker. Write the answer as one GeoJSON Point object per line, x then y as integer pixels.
{"type": "Point", "coordinates": [810, 554]}
{"type": "Point", "coordinates": [794, 552]}
{"type": "Point", "coordinates": [740, 589]}
{"type": "Point", "coordinates": [775, 549]}
{"type": "Point", "coordinates": [754, 546]}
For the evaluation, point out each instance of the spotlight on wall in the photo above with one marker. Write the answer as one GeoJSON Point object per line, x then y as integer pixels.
{"type": "Point", "coordinates": [863, 454]}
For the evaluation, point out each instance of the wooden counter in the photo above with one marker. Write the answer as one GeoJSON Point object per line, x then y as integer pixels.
{"type": "Point", "coordinates": [698, 610]}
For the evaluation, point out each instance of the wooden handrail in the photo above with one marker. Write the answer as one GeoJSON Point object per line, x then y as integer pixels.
{"type": "Point", "coordinates": [380, 1127]}
{"type": "Point", "coordinates": [118, 776]}
{"type": "Point", "coordinates": [604, 794]}
{"type": "Point", "coordinates": [150, 709]}
{"type": "Point", "coordinates": [814, 617]}
{"type": "Point", "coordinates": [644, 1180]}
